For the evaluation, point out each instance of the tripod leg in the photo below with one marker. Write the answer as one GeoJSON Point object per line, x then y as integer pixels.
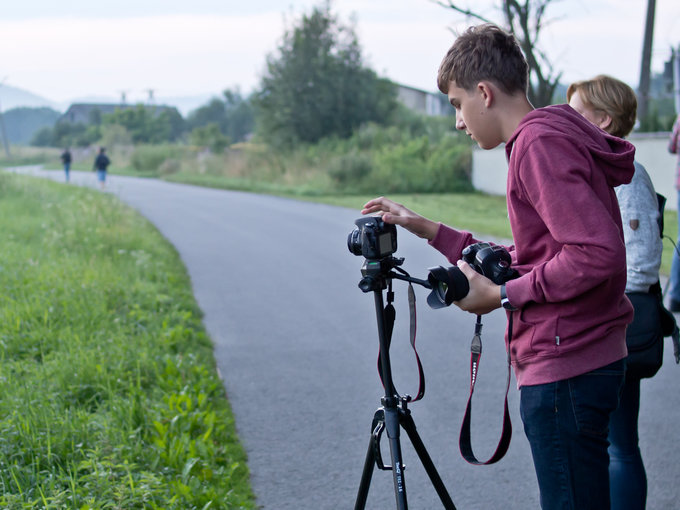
{"type": "Point", "coordinates": [369, 466]}
{"type": "Point", "coordinates": [392, 424]}
{"type": "Point", "coordinates": [410, 428]}
{"type": "Point", "coordinates": [385, 419]}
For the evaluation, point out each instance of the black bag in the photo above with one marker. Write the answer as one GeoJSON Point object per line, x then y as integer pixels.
{"type": "Point", "coordinates": [652, 322]}
{"type": "Point", "coordinates": [644, 336]}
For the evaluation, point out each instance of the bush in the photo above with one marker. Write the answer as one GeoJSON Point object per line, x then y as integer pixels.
{"type": "Point", "coordinates": [350, 168]}
{"type": "Point", "coordinates": [170, 166]}
{"type": "Point", "coordinates": [418, 166]}
{"type": "Point", "coordinates": [150, 158]}
{"type": "Point", "coordinates": [449, 168]}
{"type": "Point", "coordinates": [211, 137]}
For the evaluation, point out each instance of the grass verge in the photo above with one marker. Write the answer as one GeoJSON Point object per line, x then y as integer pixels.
{"type": "Point", "coordinates": [110, 396]}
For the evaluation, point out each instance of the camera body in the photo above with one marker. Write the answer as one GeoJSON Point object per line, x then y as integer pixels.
{"type": "Point", "coordinates": [372, 238]}
{"type": "Point", "coordinates": [449, 285]}
{"type": "Point", "coordinates": [491, 261]}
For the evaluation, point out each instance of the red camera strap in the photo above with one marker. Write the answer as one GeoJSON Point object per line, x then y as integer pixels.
{"type": "Point", "coordinates": [465, 435]}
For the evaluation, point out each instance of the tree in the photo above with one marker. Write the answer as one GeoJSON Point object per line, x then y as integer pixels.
{"type": "Point", "coordinates": [317, 85]}
{"type": "Point", "coordinates": [65, 134]}
{"type": "Point", "coordinates": [233, 115]}
{"type": "Point", "coordinates": [148, 125]}
{"type": "Point", "coordinates": [240, 116]}
{"type": "Point", "coordinates": [525, 20]}
{"type": "Point", "coordinates": [211, 137]}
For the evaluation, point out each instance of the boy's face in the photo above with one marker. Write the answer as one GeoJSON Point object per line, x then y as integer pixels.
{"type": "Point", "coordinates": [472, 115]}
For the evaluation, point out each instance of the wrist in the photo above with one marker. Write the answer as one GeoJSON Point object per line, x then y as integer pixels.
{"type": "Point", "coordinates": [505, 302]}
{"type": "Point", "coordinates": [428, 229]}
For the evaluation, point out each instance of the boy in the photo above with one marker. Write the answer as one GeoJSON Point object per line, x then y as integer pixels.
{"type": "Point", "coordinates": [567, 310]}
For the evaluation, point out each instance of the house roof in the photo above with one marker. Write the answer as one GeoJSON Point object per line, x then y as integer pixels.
{"type": "Point", "coordinates": [81, 113]}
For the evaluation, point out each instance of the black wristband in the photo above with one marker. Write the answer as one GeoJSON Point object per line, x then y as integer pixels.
{"type": "Point", "coordinates": [505, 302]}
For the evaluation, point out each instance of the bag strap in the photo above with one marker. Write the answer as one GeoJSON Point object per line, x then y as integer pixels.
{"type": "Point", "coordinates": [661, 200]}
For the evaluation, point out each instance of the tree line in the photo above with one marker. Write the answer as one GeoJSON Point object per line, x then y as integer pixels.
{"type": "Point", "coordinates": [316, 85]}
{"type": "Point", "coordinates": [318, 107]}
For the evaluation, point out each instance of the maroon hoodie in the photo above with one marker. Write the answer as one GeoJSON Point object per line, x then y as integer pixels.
{"type": "Point", "coordinates": [569, 249]}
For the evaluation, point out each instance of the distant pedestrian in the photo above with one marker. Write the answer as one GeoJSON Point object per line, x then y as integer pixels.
{"type": "Point", "coordinates": [66, 160]}
{"type": "Point", "coordinates": [674, 148]}
{"type": "Point", "coordinates": [101, 163]}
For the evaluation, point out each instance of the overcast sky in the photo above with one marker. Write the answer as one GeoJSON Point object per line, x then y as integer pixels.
{"type": "Point", "coordinates": [75, 48]}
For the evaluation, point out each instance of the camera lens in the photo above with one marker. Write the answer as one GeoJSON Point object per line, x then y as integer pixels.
{"type": "Point", "coordinates": [448, 285]}
{"type": "Point", "coordinates": [354, 242]}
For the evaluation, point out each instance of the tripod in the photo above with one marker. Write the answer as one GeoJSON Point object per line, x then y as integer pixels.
{"type": "Point", "coordinates": [394, 413]}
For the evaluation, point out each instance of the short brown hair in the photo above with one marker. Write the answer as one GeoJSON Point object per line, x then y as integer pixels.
{"type": "Point", "coordinates": [611, 96]}
{"type": "Point", "coordinates": [484, 52]}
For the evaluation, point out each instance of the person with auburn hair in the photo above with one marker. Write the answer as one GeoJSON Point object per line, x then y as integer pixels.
{"type": "Point", "coordinates": [611, 105]}
{"type": "Point", "coordinates": [567, 310]}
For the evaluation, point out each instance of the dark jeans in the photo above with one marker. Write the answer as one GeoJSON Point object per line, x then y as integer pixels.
{"type": "Point", "coordinates": [675, 269]}
{"type": "Point", "coordinates": [567, 423]}
{"type": "Point", "coordinates": [626, 471]}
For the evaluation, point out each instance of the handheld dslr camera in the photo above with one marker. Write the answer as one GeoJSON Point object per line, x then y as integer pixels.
{"type": "Point", "coordinates": [449, 285]}
{"type": "Point", "coordinates": [372, 238]}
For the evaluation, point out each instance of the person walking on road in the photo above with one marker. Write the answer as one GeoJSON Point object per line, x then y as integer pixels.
{"type": "Point", "coordinates": [66, 160]}
{"type": "Point", "coordinates": [101, 163]}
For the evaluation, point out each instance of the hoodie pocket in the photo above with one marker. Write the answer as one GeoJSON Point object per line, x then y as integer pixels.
{"type": "Point", "coordinates": [534, 336]}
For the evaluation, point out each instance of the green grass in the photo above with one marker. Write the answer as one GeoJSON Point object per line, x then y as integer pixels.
{"type": "Point", "coordinates": [110, 397]}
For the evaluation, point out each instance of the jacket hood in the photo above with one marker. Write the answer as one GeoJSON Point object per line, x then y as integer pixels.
{"type": "Point", "coordinates": [614, 155]}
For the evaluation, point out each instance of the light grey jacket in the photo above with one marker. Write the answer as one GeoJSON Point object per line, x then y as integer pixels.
{"type": "Point", "coordinates": [639, 215]}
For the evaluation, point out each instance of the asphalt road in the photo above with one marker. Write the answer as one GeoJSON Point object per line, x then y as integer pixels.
{"type": "Point", "coordinates": [296, 345]}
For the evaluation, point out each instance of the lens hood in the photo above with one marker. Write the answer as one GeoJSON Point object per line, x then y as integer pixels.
{"type": "Point", "coordinates": [448, 285]}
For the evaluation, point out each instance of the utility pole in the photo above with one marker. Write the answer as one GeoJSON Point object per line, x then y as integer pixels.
{"type": "Point", "coordinates": [150, 100]}
{"type": "Point", "coordinates": [645, 68]}
{"type": "Point", "coordinates": [2, 127]}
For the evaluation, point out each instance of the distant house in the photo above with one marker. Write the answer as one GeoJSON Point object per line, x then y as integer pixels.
{"type": "Point", "coordinates": [430, 103]}
{"type": "Point", "coordinates": [83, 113]}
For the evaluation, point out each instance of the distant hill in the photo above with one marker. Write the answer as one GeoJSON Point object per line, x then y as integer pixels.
{"type": "Point", "coordinates": [22, 123]}
{"type": "Point", "coordinates": [13, 97]}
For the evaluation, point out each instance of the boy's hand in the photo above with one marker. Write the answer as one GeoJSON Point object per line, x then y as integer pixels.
{"type": "Point", "coordinates": [397, 214]}
{"type": "Point", "coordinates": [484, 295]}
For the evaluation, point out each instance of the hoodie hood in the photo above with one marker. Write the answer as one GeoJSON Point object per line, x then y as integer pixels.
{"type": "Point", "coordinates": [614, 155]}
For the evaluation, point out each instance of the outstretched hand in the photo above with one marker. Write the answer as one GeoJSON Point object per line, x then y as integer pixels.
{"type": "Point", "coordinates": [397, 214]}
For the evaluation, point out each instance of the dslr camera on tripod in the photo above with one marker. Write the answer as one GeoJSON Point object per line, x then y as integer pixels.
{"type": "Point", "coordinates": [372, 238]}
{"type": "Point", "coordinates": [377, 242]}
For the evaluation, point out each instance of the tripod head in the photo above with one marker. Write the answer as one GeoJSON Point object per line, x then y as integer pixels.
{"type": "Point", "coordinates": [377, 274]}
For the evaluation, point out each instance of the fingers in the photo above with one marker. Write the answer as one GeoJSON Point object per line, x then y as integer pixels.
{"type": "Point", "coordinates": [391, 212]}
{"type": "Point", "coordinates": [397, 214]}
{"type": "Point", "coordinates": [467, 269]}
{"type": "Point", "coordinates": [483, 296]}
{"type": "Point", "coordinates": [380, 204]}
